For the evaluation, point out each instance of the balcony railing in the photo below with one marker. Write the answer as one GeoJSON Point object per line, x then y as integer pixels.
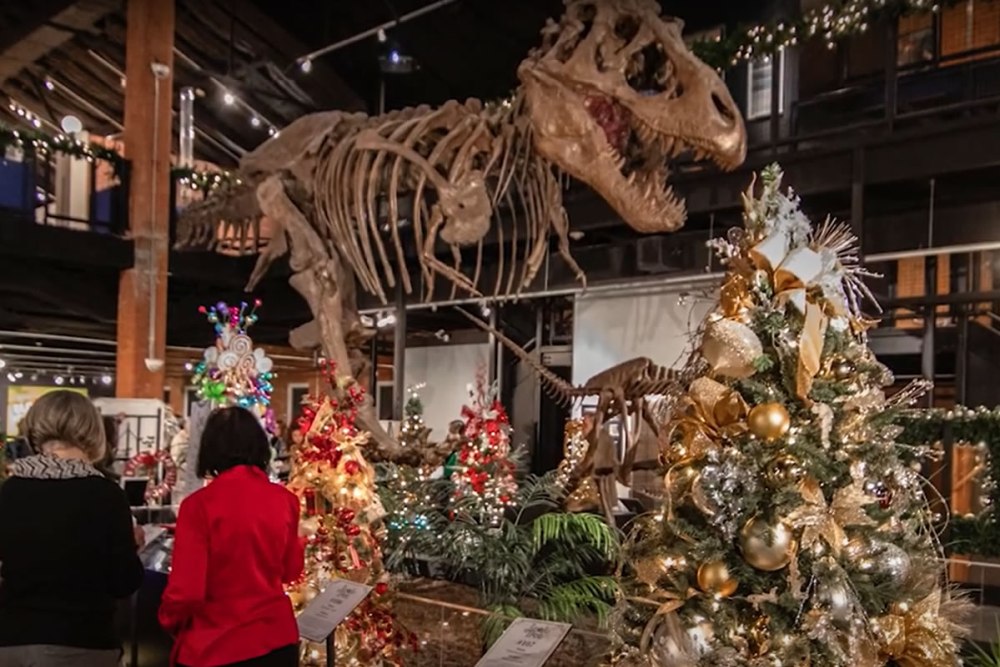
{"type": "Point", "coordinates": [64, 191]}
{"type": "Point", "coordinates": [954, 86]}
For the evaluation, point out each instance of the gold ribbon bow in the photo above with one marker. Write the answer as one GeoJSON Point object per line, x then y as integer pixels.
{"type": "Point", "coordinates": [917, 635]}
{"type": "Point", "coordinates": [821, 521]}
{"type": "Point", "coordinates": [712, 413]}
{"type": "Point", "coordinates": [794, 275]}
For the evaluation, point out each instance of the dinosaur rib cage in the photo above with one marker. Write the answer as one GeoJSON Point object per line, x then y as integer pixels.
{"type": "Point", "coordinates": [362, 196]}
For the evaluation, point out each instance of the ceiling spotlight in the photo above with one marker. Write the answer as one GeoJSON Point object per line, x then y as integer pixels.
{"type": "Point", "coordinates": [442, 335]}
{"type": "Point", "coordinates": [49, 85]}
{"type": "Point", "coordinates": [71, 124]}
{"type": "Point", "coordinates": [255, 121]}
{"type": "Point", "coordinates": [59, 380]}
{"type": "Point", "coordinates": [386, 320]}
{"type": "Point", "coordinates": [229, 99]}
{"type": "Point", "coordinates": [72, 380]}
{"type": "Point", "coordinates": [11, 377]}
{"type": "Point", "coordinates": [18, 375]}
{"type": "Point", "coordinates": [367, 321]}
{"type": "Point", "coordinates": [272, 132]}
{"type": "Point", "coordinates": [34, 377]}
{"type": "Point", "coordinates": [2, 363]}
{"type": "Point", "coordinates": [382, 36]}
{"type": "Point", "coordinates": [397, 62]}
{"type": "Point", "coordinates": [306, 66]}
{"type": "Point", "coordinates": [189, 366]}
{"type": "Point", "coordinates": [106, 379]}
{"type": "Point", "coordinates": [485, 310]}
{"type": "Point", "coordinates": [36, 122]}
{"type": "Point", "coordinates": [82, 379]}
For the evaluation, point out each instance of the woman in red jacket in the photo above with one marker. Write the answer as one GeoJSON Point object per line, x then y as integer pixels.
{"type": "Point", "coordinates": [237, 542]}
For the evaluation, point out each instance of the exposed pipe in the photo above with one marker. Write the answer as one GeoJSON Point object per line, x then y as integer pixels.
{"type": "Point", "coordinates": [59, 337]}
{"type": "Point", "coordinates": [185, 132]}
{"type": "Point", "coordinates": [347, 41]}
{"type": "Point", "coordinates": [61, 350]}
{"type": "Point", "coordinates": [647, 284]}
{"type": "Point", "coordinates": [929, 252]}
{"type": "Point", "coordinates": [234, 151]}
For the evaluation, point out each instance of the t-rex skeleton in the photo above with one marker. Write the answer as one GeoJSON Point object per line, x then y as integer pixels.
{"type": "Point", "coordinates": [611, 95]}
{"type": "Point", "coordinates": [621, 391]}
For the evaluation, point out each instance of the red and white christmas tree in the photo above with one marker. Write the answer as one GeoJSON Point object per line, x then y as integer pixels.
{"type": "Point", "coordinates": [484, 484]}
{"type": "Point", "coordinates": [343, 527]}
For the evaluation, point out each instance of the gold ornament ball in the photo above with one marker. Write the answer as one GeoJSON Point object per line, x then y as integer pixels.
{"type": "Point", "coordinates": [842, 368]}
{"type": "Point", "coordinates": [677, 481]}
{"type": "Point", "coordinates": [767, 546]}
{"type": "Point", "coordinates": [309, 593]}
{"type": "Point", "coordinates": [700, 497]}
{"type": "Point", "coordinates": [730, 348]}
{"type": "Point", "coordinates": [714, 577]}
{"type": "Point", "coordinates": [857, 547]}
{"type": "Point", "coordinates": [769, 421]}
{"type": "Point", "coordinates": [784, 470]}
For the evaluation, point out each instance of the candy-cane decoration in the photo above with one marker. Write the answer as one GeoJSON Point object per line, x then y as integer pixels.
{"type": "Point", "coordinates": [148, 463]}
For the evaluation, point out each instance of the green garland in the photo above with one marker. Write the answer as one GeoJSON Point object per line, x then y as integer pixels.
{"type": "Point", "coordinates": [203, 180]}
{"type": "Point", "coordinates": [978, 535]}
{"type": "Point", "coordinates": [43, 144]}
{"type": "Point", "coordinates": [832, 22]}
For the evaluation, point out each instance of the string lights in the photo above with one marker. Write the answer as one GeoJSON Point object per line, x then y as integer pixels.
{"type": "Point", "coordinates": [831, 22]}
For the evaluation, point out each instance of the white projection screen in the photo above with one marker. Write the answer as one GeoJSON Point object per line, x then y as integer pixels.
{"type": "Point", "coordinates": [656, 322]}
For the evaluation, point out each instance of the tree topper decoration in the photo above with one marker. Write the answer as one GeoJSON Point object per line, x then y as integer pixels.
{"type": "Point", "coordinates": [232, 371]}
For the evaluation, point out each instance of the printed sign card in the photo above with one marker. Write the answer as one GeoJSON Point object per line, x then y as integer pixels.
{"type": "Point", "coordinates": [526, 643]}
{"type": "Point", "coordinates": [321, 617]}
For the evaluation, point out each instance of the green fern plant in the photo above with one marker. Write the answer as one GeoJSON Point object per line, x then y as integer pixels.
{"type": "Point", "coordinates": [539, 562]}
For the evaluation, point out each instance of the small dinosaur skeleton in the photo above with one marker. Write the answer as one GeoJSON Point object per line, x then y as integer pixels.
{"type": "Point", "coordinates": [621, 391]}
{"type": "Point", "coordinates": [612, 94]}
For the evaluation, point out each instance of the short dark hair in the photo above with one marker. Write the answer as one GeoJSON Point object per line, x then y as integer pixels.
{"type": "Point", "coordinates": [232, 437]}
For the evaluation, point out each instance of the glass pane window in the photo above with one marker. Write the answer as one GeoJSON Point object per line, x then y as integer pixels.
{"type": "Point", "coordinates": [760, 78]}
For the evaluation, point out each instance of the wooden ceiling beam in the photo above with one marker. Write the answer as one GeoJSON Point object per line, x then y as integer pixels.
{"type": "Point", "coordinates": [283, 49]}
{"type": "Point", "coordinates": [24, 43]}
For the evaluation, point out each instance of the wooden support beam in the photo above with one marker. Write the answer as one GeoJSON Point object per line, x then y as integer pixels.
{"type": "Point", "coordinates": [142, 293]}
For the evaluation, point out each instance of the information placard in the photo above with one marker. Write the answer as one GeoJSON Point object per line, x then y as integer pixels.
{"type": "Point", "coordinates": [526, 643]}
{"type": "Point", "coordinates": [321, 616]}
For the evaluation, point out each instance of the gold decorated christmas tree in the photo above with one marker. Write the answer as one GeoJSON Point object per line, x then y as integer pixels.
{"type": "Point", "coordinates": [342, 524]}
{"type": "Point", "coordinates": [794, 530]}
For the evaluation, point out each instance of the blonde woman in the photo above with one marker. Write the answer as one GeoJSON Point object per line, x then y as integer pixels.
{"type": "Point", "coordinates": [67, 546]}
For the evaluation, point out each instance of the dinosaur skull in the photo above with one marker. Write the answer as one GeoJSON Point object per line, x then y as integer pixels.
{"type": "Point", "coordinates": [614, 93]}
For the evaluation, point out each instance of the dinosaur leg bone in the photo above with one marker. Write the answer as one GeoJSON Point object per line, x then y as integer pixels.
{"type": "Point", "coordinates": [318, 279]}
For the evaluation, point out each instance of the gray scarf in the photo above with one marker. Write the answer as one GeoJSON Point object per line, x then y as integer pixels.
{"type": "Point", "coordinates": [41, 466]}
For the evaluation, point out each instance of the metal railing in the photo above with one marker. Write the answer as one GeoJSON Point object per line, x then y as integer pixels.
{"type": "Point", "coordinates": [64, 191]}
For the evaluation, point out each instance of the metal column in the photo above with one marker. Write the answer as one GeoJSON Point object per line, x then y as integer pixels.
{"type": "Point", "coordinates": [399, 355]}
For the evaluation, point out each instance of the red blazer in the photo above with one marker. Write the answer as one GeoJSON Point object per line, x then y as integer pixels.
{"type": "Point", "coordinates": [237, 542]}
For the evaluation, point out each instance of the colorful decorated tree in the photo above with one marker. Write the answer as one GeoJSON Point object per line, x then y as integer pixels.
{"type": "Point", "coordinates": [413, 432]}
{"type": "Point", "coordinates": [342, 524]}
{"type": "Point", "coordinates": [232, 371]}
{"type": "Point", "coordinates": [484, 483]}
{"type": "Point", "coordinates": [795, 529]}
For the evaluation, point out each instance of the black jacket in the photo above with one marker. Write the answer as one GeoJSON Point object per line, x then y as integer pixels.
{"type": "Point", "coordinates": [67, 553]}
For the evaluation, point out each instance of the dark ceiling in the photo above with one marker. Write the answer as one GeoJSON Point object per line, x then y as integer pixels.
{"type": "Point", "coordinates": [250, 49]}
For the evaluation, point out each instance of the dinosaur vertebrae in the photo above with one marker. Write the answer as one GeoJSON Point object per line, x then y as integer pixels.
{"type": "Point", "coordinates": [448, 173]}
